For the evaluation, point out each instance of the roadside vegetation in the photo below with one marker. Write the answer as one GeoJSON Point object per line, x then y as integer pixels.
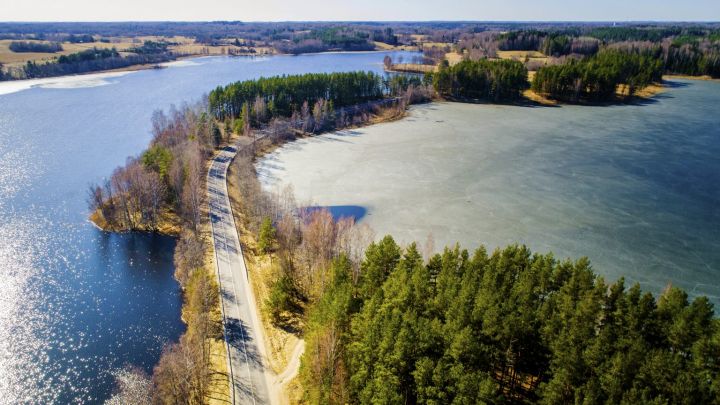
{"type": "Point", "coordinates": [163, 190]}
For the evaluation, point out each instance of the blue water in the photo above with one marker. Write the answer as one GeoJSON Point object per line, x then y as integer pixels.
{"type": "Point", "coordinates": [75, 302]}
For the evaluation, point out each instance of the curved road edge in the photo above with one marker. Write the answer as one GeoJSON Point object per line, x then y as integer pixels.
{"type": "Point", "coordinates": [251, 381]}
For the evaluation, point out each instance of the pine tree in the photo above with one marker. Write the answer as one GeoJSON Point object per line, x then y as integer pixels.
{"type": "Point", "coordinates": [266, 237]}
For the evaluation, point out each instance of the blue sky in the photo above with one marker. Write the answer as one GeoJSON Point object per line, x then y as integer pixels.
{"type": "Point", "coordinates": [307, 10]}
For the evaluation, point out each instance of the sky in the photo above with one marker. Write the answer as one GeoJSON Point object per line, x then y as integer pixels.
{"type": "Point", "coordinates": [366, 10]}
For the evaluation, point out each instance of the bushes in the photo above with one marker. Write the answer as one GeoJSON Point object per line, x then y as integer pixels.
{"type": "Point", "coordinates": [495, 81]}
{"type": "Point", "coordinates": [281, 299]}
{"type": "Point", "coordinates": [27, 46]}
{"type": "Point", "coordinates": [266, 238]}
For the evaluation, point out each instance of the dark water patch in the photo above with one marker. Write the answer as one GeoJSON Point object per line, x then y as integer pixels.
{"type": "Point", "coordinates": [339, 212]}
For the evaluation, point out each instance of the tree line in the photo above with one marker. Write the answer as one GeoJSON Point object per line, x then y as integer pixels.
{"type": "Point", "coordinates": [688, 50]}
{"type": "Point", "coordinates": [89, 60]}
{"type": "Point", "coordinates": [597, 78]}
{"type": "Point", "coordinates": [284, 95]}
{"type": "Point", "coordinates": [32, 46]}
{"type": "Point", "coordinates": [510, 326]}
{"type": "Point", "coordinates": [495, 81]}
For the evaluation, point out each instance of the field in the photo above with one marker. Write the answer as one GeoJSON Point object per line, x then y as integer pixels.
{"type": "Point", "coordinates": [532, 56]}
{"type": "Point", "coordinates": [181, 45]}
{"type": "Point", "coordinates": [413, 68]}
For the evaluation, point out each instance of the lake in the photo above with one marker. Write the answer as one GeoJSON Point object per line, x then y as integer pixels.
{"type": "Point", "coordinates": [636, 188]}
{"type": "Point", "coordinates": [77, 303]}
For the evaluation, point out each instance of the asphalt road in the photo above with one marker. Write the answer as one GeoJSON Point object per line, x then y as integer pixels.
{"type": "Point", "coordinates": [243, 333]}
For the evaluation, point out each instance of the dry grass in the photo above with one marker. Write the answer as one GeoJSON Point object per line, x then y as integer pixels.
{"type": "Point", "coordinates": [219, 389]}
{"type": "Point", "coordinates": [704, 77]}
{"type": "Point", "coordinates": [10, 58]}
{"type": "Point", "coordinates": [647, 92]}
{"type": "Point", "coordinates": [538, 98]}
{"type": "Point", "coordinates": [185, 45]}
{"type": "Point", "coordinates": [531, 56]}
{"type": "Point", "coordinates": [168, 224]}
{"type": "Point", "coordinates": [521, 54]}
{"type": "Point", "coordinates": [382, 46]}
{"type": "Point", "coordinates": [437, 44]}
{"type": "Point", "coordinates": [453, 58]}
{"type": "Point", "coordinates": [412, 68]}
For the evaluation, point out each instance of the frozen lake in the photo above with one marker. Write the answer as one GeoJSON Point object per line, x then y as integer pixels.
{"type": "Point", "coordinates": [636, 188]}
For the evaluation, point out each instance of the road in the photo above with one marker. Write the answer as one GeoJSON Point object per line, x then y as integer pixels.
{"type": "Point", "coordinates": [243, 332]}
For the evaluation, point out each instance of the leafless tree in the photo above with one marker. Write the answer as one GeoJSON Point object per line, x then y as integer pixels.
{"type": "Point", "coordinates": [306, 117]}
{"type": "Point", "coordinates": [260, 109]}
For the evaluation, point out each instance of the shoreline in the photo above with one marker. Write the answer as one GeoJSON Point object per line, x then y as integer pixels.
{"type": "Point", "coordinates": [164, 65]}
{"type": "Point", "coordinates": [284, 348]}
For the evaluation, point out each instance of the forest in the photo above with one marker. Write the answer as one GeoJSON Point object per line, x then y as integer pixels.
{"type": "Point", "coordinates": [326, 39]}
{"type": "Point", "coordinates": [495, 81]}
{"type": "Point", "coordinates": [598, 77]}
{"type": "Point", "coordinates": [27, 46]}
{"type": "Point", "coordinates": [508, 326]}
{"type": "Point", "coordinates": [688, 50]}
{"type": "Point", "coordinates": [89, 60]}
{"type": "Point", "coordinates": [284, 95]}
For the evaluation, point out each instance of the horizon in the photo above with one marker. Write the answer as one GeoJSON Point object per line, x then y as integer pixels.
{"type": "Point", "coordinates": [705, 11]}
{"type": "Point", "coordinates": [365, 21]}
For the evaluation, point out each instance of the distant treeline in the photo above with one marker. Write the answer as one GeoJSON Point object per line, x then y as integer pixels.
{"type": "Point", "coordinates": [503, 327]}
{"type": "Point", "coordinates": [597, 78]}
{"type": "Point", "coordinates": [90, 60]}
{"type": "Point", "coordinates": [28, 46]}
{"type": "Point", "coordinates": [589, 63]}
{"type": "Point", "coordinates": [150, 47]}
{"type": "Point", "coordinates": [495, 81]}
{"type": "Point", "coordinates": [284, 95]}
{"type": "Point", "coordinates": [320, 40]}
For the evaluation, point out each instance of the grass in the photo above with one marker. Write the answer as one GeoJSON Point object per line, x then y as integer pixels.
{"type": "Point", "coordinates": [453, 58]}
{"type": "Point", "coordinates": [531, 56]}
{"type": "Point", "coordinates": [183, 45]}
{"type": "Point", "coordinates": [412, 68]}
{"type": "Point", "coordinates": [382, 46]}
